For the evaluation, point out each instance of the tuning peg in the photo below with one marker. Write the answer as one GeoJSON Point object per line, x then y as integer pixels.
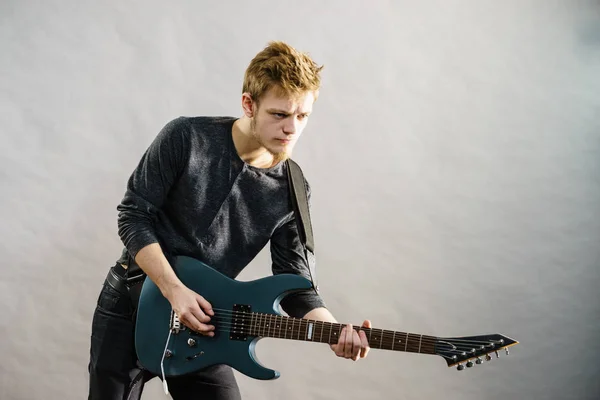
{"type": "Point", "coordinates": [488, 357]}
{"type": "Point", "coordinates": [506, 350]}
{"type": "Point", "coordinates": [497, 355]}
{"type": "Point", "coordinates": [478, 361]}
{"type": "Point", "coordinates": [469, 364]}
{"type": "Point", "coordinates": [460, 367]}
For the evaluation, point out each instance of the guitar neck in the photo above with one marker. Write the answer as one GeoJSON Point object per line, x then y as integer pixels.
{"type": "Point", "coordinates": [282, 327]}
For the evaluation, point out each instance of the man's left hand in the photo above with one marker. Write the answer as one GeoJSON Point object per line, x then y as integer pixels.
{"type": "Point", "coordinates": [352, 344]}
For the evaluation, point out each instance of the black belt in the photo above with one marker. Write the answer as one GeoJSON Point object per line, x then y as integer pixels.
{"type": "Point", "coordinates": [117, 282]}
{"type": "Point", "coordinates": [131, 287]}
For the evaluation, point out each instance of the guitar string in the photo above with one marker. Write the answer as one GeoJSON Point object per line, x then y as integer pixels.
{"type": "Point", "coordinates": [387, 338]}
{"type": "Point", "coordinates": [271, 316]}
{"type": "Point", "coordinates": [304, 324]}
{"type": "Point", "coordinates": [413, 347]}
{"type": "Point", "coordinates": [307, 321]}
{"type": "Point", "coordinates": [385, 333]}
{"type": "Point", "coordinates": [258, 320]}
{"type": "Point", "coordinates": [265, 331]}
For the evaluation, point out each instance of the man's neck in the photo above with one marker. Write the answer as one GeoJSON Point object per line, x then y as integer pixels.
{"type": "Point", "coordinates": [248, 149]}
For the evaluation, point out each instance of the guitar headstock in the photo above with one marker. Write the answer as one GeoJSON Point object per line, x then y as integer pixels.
{"type": "Point", "coordinates": [469, 349]}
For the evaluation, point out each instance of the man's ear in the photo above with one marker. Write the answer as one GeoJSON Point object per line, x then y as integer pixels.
{"type": "Point", "coordinates": [248, 105]}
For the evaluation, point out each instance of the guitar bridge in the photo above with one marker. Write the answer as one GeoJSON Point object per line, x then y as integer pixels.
{"type": "Point", "coordinates": [240, 322]}
{"type": "Point", "coordinates": [175, 324]}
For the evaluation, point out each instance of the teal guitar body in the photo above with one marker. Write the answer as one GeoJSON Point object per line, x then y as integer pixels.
{"type": "Point", "coordinates": [233, 303]}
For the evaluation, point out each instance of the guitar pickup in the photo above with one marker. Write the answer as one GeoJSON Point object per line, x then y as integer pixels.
{"type": "Point", "coordinates": [240, 322]}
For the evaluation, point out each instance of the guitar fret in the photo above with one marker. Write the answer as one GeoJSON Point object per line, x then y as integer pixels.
{"type": "Point", "coordinates": [406, 342]}
{"type": "Point", "coordinates": [307, 332]}
{"type": "Point", "coordinates": [393, 340]}
{"type": "Point", "coordinates": [296, 329]}
{"type": "Point", "coordinates": [267, 325]}
{"type": "Point", "coordinates": [420, 340]}
{"type": "Point", "coordinates": [339, 328]}
{"type": "Point", "coordinates": [279, 323]}
{"type": "Point", "coordinates": [293, 328]}
{"type": "Point", "coordinates": [390, 340]}
{"type": "Point", "coordinates": [321, 336]}
{"type": "Point", "coordinates": [399, 341]}
{"type": "Point", "coordinates": [384, 340]}
{"type": "Point", "coordinates": [374, 340]}
{"type": "Point", "coordinates": [413, 338]}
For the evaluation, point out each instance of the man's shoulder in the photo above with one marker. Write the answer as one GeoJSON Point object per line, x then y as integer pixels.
{"type": "Point", "coordinates": [207, 124]}
{"type": "Point", "coordinates": [203, 124]}
{"type": "Point", "coordinates": [198, 130]}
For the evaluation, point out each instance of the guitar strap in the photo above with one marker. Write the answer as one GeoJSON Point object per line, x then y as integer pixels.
{"type": "Point", "coordinates": [299, 199]}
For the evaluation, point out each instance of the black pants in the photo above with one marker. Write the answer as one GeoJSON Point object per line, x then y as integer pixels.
{"type": "Point", "coordinates": [115, 372]}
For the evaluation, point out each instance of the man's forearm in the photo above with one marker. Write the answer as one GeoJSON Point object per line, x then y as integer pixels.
{"type": "Point", "coordinates": [153, 262]}
{"type": "Point", "coordinates": [320, 314]}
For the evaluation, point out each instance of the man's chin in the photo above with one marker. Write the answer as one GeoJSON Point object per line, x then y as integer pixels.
{"type": "Point", "coordinates": [279, 156]}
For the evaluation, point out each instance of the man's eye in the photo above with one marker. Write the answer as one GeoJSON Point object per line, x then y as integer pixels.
{"type": "Point", "coordinates": [279, 115]}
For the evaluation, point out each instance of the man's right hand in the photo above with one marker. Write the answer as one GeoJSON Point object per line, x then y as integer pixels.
{"type": "Point", "coordinates": [192, 309]}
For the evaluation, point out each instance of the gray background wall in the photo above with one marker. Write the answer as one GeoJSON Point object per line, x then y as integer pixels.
{"type": "Point", "coordinates": [453, 154]}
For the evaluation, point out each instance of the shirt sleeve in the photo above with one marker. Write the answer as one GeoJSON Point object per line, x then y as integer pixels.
{"type": "Point", "coordinates": [287, 254]}
{"type": "Point", "coordinates": [149, 185]}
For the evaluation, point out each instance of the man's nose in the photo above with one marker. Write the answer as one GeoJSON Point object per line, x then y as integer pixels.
{"type": "Point", "coordinates": [291, 126]}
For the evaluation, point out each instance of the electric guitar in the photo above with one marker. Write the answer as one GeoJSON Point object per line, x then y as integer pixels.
{"type": "Point", "coordinates": [245, 312]}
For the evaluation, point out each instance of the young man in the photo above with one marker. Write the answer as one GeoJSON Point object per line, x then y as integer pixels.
{"type": "Point", "coordinates": [212, 188]}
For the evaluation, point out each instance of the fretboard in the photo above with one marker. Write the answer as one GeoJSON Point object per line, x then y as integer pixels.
{"type": "Point", "coordinates": [281, 327]}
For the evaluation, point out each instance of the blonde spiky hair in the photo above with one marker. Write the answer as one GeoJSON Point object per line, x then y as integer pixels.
{"type": "Point", "coordinates": [282, 67]}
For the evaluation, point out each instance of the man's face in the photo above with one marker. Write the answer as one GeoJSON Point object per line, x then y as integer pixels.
{"type": "Point", "coordinates": [280, 120]}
